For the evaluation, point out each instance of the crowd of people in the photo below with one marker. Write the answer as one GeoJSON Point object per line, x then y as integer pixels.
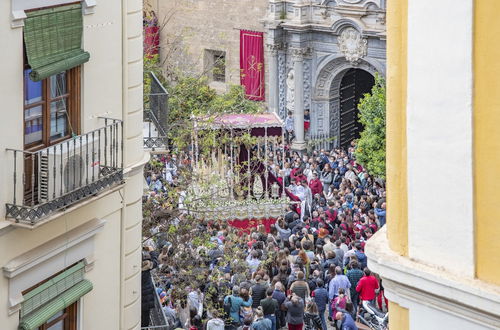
{"type": "Point", "coordinates": [309, 271]}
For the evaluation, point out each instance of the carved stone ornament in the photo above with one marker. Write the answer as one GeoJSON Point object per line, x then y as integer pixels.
{"type": "Point", "coordinates": [274, 48]}
{"type": "Point", "coordinates": [352, 45]}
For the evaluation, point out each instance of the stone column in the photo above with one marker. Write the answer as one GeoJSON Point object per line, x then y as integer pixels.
{"type": "Point", "coordinates": [273, 78]}
{"type": "Point", "coordinates": [298, 114]}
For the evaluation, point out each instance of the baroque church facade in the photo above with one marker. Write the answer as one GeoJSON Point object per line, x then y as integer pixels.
{"type": "Point", "coordinates": [323, 56]}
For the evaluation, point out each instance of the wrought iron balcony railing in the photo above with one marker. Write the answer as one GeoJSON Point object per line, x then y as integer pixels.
{"type": "Point", "coordinates": [154, 136]}
{"type": "Point", "coordinates": [57, 177]}
{"type": "Point", "coordinates": [155, 115]}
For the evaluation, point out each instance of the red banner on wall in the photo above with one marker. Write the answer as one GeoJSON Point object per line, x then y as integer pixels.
{"type": "Point", "coordinates": [252, 64]}
{"type": "Point", "coordinates": [151, 40]}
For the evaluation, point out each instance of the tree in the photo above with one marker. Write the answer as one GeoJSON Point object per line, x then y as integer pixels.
{"type": "Point", "coordinates": [370, 150]}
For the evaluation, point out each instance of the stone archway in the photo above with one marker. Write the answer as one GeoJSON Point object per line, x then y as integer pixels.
{"type": "Point", "coordinates": [326, 94]}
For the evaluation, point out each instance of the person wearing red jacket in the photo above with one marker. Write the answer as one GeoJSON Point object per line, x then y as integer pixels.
{"type": "Point", "coordinates": [367, 286]}
{"type": "Point", "coordinates": [316, 185]}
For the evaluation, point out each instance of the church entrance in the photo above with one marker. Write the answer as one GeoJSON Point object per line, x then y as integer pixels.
{"type": "Point", "coordinates": [355, 83]}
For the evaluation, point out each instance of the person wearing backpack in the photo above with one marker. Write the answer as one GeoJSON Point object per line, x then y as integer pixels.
{"type": "Point", "coordinates": [232, 305]}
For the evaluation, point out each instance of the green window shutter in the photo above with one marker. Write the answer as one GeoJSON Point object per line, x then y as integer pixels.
{"type": "Point", "coordinates": [44, 313]}
{"type": "Point", "coordinates": [51, 289]}
{"type": "Point", "coordinates": [53, 40]}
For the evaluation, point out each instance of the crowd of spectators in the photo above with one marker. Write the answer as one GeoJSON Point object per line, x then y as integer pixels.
{"type": "Point", "coordinates": [310, 271]}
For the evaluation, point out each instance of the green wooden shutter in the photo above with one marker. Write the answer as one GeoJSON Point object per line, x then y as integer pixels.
{"type": "Point", "coordinates": [41, 315]}
{"type": "Point", "coordinates": [51, 289]}
{"type": "Point", "coordinates": [53, 40]}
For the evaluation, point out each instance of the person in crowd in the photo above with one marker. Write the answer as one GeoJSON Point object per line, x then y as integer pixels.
{"type": "Point", "coordinates": [149, 262]}
{"type": "Point", "coordinates": [270, 307]}
{"type": "Point", "coordinates": [289, 128]}
{"type": "Point", "coordinates": [347, 322]}
{"type": "Point", "coordinates": [315, 184]}
{"type": "Point", "coordinates": [215, 323]}
{"type": "Point", "coordinates": [234, 303]}
{"type": "Point", "coordinates": [339, 302]}
{"type": "Point", "coordinates": [340, 281]}
{"type": "Point", "coordinates": [312, 321]}
{"type": "Point", "coordinates": [260, 322]}
{"type": "Point", "coordinates": [367, 286]}
{"type": "Point", "coordinates": [300, 287]}
{"type": "Point", "coordinates": [294, 306]}
{"type": "Point", "coordinates": [280, 297]}
{"type": "Point", "coordinates": [354, 274]}
{"type": "Point", "coordinates": [258, 291]}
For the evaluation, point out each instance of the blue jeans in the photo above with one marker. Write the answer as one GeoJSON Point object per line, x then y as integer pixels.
{"type": "Point", "coordinates": [323, 320]}
{"type": "Point", "coordinates": [355, 302]}
{"type": "Point", "coordinates": [272, 317]}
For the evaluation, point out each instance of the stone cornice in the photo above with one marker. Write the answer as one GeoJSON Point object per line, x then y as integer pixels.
{"type": "Point", "coordinates": [409, 280]}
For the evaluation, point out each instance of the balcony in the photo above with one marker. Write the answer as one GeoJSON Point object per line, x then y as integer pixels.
{"type": "Point", "coordinates": [62, 175]}
{"type": "Point", "coordinates": [155, 115]}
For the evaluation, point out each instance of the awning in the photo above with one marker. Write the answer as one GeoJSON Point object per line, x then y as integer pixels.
{"type": "Point", "coordinates": [51, 289]}
{"type": "Point", "coordinates": [44, 313]}
{"type": "Point", "coordinates": [53, 40]}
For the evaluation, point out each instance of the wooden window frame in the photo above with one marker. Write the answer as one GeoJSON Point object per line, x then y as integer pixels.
{"type": "Point", "coordinates": [73, 95]}
{"type": "Point", "coordinates": [69, 318]}
{"type": "Point", "coordinates": [70, 313]}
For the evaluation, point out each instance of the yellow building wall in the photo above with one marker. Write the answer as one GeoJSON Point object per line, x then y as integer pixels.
{"type": "Point", "coordinates": [397, 191]}
{"type": "Point", "coordinates": [487, 139]}
{"type": "Point", "coordinates": [398, 316]}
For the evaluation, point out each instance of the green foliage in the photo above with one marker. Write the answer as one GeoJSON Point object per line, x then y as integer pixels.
{"type": "Point", "coordinates": [193, 96]}
{"type": "Point", "coordinates": [370, 151]}
{"type": "Point", "coordinates": [234, 101]}
{"type": "Point", "coordinates": [189, 96]}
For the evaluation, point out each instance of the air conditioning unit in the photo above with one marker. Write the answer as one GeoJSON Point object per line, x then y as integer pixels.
{"type": "Point", "coordinates": [67, 166]}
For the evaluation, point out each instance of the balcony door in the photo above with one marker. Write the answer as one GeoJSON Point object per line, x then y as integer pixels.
{"type": "Point", "coordinates": [51, 109]}
{"type": "Point", "coordinates": [51, 115]}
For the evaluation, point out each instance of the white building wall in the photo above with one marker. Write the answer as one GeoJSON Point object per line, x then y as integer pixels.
{"type": "Point", "coordinates": [424, 317]}
{"type": "Point", "coordinates": [440, 208]}
{"type": "Point", "coordinates": [111, 87]}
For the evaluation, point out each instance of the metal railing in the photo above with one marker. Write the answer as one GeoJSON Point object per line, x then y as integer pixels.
{"type": "Point", "coordinates": [156, 136]}
{"type": "Point", "coordinates": [318, 141]}
{"type": "Point", "coordinates": [157, 318]}
{"type": "Point", "coordinates": [155, 115]}
{"type": "Point", "coordinates": [56, 177]}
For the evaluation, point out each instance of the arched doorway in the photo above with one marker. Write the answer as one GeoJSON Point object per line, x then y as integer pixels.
{"type": "Point", "coordinates": [354, 84]}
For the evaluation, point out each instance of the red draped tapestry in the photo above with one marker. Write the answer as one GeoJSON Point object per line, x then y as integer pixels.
{"type": "Point", "coordinates": [252, 64]}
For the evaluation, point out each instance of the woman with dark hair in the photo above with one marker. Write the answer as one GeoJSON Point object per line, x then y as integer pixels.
{"type": "Point", "coordinates": [312, 321]}
{"type": "Point", "coordinates": [336, 179]}
{"type": "Point", "coordinates": [326, 178]}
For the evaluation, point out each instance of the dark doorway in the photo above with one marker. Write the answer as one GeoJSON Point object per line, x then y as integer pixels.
{"type": "Point", "coordinates": [354, 85]}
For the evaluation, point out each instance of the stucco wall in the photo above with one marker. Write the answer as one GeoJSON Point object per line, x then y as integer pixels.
{"type": "Point", "coordinates": [439, 109]}
{"type": "Point", "coordinates": [194, 26]}
{"type": "Point", "coordinates": [111, 87]}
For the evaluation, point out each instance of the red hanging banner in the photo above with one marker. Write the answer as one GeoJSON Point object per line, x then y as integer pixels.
{"type": "Point", "coordinates": [252, 64]}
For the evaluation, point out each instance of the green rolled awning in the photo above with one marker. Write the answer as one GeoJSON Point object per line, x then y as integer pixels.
{"type": "Point", "coordinates": [44, 313]}
{"type": "Point", "coordinates": [52, 288]}
{"type": "Point", "coordinates": [53, 40]}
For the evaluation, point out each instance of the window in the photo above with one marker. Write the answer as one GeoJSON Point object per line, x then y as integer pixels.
{"type": "Point", "coordinates": [51, 108]}
{"type": "Point", "coordinates": [63, 320]}
{"type": "Point", "coordinates": [53, 303]}
{"type": "Point", "coordinates": [51, 115]}
{"type": "Point", "coordinates": [219, 70]}
{"type": "Point", "coordinates": [215, 64]}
